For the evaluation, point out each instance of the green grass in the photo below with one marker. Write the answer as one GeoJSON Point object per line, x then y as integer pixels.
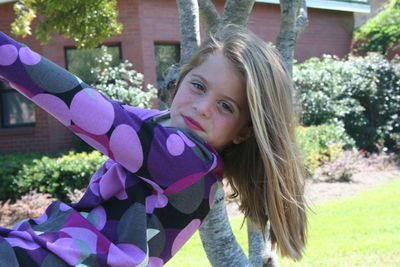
{"type": "Point", "coordinates": [363, 230]}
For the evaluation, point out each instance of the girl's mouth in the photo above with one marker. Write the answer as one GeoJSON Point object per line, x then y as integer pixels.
{"type": "Point", "coordinates": [192, 124]}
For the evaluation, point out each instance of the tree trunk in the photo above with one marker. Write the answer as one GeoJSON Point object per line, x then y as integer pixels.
{"type": "Point", "coordinates": [237, 12]}
{"type": "Point", "coordinates": [209, 16]}
{"type": "Point", "coordinates": [293, 21]}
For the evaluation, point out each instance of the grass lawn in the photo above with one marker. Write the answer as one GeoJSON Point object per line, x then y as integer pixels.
{"type": "Point", "coordinates": [363, 230]}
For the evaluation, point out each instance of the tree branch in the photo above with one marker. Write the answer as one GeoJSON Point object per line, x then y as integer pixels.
{"type": "Point", "coordinates": [293, 21]}
{"type": "Point", "coordinates": [209, 16]}
{"type": "Point", "coordinates": [260, 252]}
{"type": "Point", "coordinates": [237, 12]}
{"type": "Point", "coordinates": [218, 240]}
{"type": "Point", "coordinates": [302, 18]}
{"type": "Point", "coordinates": [189, 28]}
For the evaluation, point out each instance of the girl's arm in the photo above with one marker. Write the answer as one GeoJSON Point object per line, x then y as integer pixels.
{"type": "Point", "coordinates": [123, 133]}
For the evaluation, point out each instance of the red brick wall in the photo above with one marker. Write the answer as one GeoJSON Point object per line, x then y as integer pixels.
{"type": "Point", "coordinates": [150, 21]}
{"type": "Point", "coordinates": [47, 135]}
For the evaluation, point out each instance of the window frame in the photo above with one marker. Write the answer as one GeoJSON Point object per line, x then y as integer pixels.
{"type": "Point", "coordinates": [166, 43]}
{"type": "Point", "coordinates": [113, 44]}
{"type": "Point", "coordinates": [8, 89]}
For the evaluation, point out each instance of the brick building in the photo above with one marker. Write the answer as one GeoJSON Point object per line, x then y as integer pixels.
{"type": "Point", "coordinates": [150, 40]}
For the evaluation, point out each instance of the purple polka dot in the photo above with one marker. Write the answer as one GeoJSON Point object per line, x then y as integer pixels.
{"type": "Point", "coordinates": [91, 112]}
{"type": "Point", "coordinates": [93, 143]}
{"type": "Point", "coordinates": [187, 141]}
{"type": "Point", "coordinates": [98, 217]}
{"type": "Point", "coordinates": [121, 195]}
{"type": "Point", "coordinates": [28, 57]}
{"type": "Point", "coordinates": [21, 234]}
{"type": "Point", "coordinates": [25, 244]}
{"type": "Point", "coordinates": [133, 251]}
{"type": "Point", "coordinates": [9, 54]}
{"type": "Point", "coordinates": [125, 255]}
{"type": "Point", "coordinates": [184, 235]}
{"type": "Point", "coordinates": [175, 145]}
{"type": "Point", "coordinates": [95, 188]}
{"type": "Point", "coordinates": [41, 219]}
{"type": "Point", "coordinates": [64, 207]}
{"type": "Point", "coordinates": [155, 201]}
{"type": "Point", "coordinates": [111, 183]}
{"type": "Point", "coordinates": [126, 147]}
{"type": "Point", "coordinates": [54, 106]}
{"type": "Point", "coordinates": [67, 249]}
{"type": "Point", "coordinates": [85, 235]}
{"type": "Point", "coordinates": [155, 262]}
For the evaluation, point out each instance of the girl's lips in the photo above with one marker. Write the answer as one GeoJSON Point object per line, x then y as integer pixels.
{"type": "Point", "coordinates": [192, 124]}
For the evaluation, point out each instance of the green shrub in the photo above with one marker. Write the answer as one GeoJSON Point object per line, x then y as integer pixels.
{"type": "Point", "coordinates": [11, 163]}
{"type": "Point", "coordinates": [122, 83]}
{"type": "Point", "coordinates": [320, 144]}
{"type": "Point", "coordinates": [362, 93]}
{"type": "Point", "coordinates": [381, 33]}
{"type": "Point", "coordinates": [58, 176]}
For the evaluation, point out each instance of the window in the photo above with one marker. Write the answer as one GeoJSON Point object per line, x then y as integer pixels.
{"type": "Point", "coordinates": [166, 55]}
{"type": "Point", "coordinates": [81, 61]}
{"type": "Point", "coordinates": [16, 110]}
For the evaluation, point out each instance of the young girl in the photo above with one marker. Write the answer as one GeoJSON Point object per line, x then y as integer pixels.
{"type": "Point", "coordinates": [233, 105]}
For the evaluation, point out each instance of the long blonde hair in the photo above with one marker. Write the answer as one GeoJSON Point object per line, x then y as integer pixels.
{"type": "Point", "coordinates": [265, 171]}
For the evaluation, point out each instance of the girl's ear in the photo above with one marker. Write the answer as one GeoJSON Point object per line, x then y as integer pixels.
{"type": "Point", "coordinates": [244, 135]}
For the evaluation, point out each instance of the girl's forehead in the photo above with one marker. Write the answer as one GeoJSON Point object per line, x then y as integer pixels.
{"type": "Point", "coordinates": [217, 65]}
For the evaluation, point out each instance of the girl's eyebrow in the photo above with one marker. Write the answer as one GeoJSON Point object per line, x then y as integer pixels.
{"type": "Point", "coordinates": [199, 76]}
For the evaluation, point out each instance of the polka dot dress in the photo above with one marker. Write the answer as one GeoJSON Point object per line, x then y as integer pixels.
{"type": "Point", "coordinates": [140, 207]}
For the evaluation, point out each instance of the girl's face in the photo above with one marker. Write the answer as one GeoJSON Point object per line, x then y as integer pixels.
{"type": "Point", "coordinates": [211, 100]}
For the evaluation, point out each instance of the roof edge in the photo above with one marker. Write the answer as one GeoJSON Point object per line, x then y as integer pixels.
{"type": "Point", "coordinates": [332, 5]}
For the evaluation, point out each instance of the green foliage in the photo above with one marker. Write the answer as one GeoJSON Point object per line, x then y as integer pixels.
{"type": "Point", "coordinates": [122, 83]}
{"type": "Point", "coordinates": [322, 90]}
{"type": "Point", "coordinates": [11, 163]}
{"type": "Point", "coordinates": [361, 93]}
{"type": "Point", "coordinates": [320, 144]}
{"type": "Point", "coordinates": [81, 61]}
{"type": "Point", "coordinates": [57, 176]}
{"type": "Point", "coordinates": [380, 33]}
{"type": "Point", "coordinates": [87, 22]}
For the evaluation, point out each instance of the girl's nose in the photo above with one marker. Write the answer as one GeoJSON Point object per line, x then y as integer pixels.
{"type": "Point", "coordinates": [203, 107]}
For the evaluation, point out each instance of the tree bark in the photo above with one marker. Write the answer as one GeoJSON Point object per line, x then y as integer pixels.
{"type": "Point", "coordinates": [293, 21]}
{"type": "Point", "coordinates": [190, 40]}
{"type": "Point", "coordinates": [209, 15]}
{"type": "Point", "coordinates": [218, 240]}
{"type": "Point", "coordinates": [189, 28]}
{"type": "Point", "coordinates": [237, 12]}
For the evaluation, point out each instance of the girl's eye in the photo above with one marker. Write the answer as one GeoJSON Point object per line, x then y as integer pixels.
{"type": "Point", "coordinates": [198, 86]}
{"type": "Point", "coordinates": [226, 106]}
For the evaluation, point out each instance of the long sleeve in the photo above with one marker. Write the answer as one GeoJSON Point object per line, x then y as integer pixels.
{"type": "Point", "coordinates": [117, 130]}
{"type": "Point", "coordinates": [140, 207]}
